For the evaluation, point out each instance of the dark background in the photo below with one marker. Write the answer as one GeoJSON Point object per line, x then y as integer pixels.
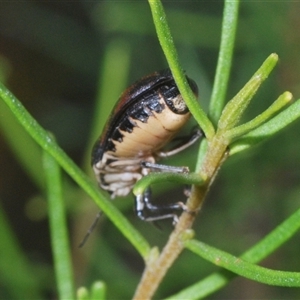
{"type": "Point", "coordinates": [52, 56]}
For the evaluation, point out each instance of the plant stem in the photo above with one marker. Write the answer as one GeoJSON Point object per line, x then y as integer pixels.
{"type": "Point", "coordinates": [229, 25]}
{"type": "Point", "coordinates": [156, 269]}
{"type": "Point", "coordinates": [58, 229]}
{"type": "Point", "coordinates": [166, 41]}
{"type": "Point", "coordinates": [47, 142]}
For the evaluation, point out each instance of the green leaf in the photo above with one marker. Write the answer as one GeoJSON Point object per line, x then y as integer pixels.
{"type": "Point", "coordinates": [98, 291]}
{"type": "Point", "coordinates": [186, 178]}
{"type": "Point", "coordinates": [58, 229]}
{"type": "Point", "coordinates": [282, 101]}
{"type": "Point", "coordinates": [268, 129]}
{"type": "Point", "coordinates": [229, 24]}
{"type": "Point", "coordinates": [242, 267]}
{"type": "Point", "coordinates": [235, 108]}
{"type": "Point", "coordinates": [83, 294]}
{"type": "Point", "coordinates": [168, 47]}
{"type": "Point", "coordinates": [261, 250]}
{"type": "Point", "coordinates": [47, 142]}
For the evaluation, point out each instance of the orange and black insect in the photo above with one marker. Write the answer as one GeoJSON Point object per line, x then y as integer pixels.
{"type": "Point", "coordinates": [145, 119]}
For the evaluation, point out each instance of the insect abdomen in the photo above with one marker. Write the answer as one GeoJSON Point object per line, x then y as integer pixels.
{"type": "Point", "coordinates": [152, 129]}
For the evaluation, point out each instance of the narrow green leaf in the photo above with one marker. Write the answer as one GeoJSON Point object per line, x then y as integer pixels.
{"type": "Point", "coordinates": [29, 157]}
{"type": "Point", "coordinates": [268, 129]}
{"type": "Point", "coordinates": [48, 144]}
{"type": "Point", "coordinates": [235, 108]}
{"type": "Point", "coordinates": [204, 287]}
{"type": "Point", "coordinates": [139, 23]}
{"type": "Point", "coordinates": [184, 178]}
{"type": "Point", "coordinates": [98, 291]}
{"type": "Point", "coordinates": [282, 101]}
{"type": "Point", "coordinates": [201, 155]}
{"type": "Point", "coordinates": [243, 268]}
{"type": "Point", "coordinates": [261, 250]}
{"type": "Point", "coordinates": [83, 294]}
{"type": "Point", "coordinates": [58, 229]}
{"type": "Point", "coordinates": [168, 47]}
{"type": "Point", "coordinates": [229, 25]}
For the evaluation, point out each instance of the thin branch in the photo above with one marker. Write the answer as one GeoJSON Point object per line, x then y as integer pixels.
{"type": "Point", "coordinates": [229, 25]}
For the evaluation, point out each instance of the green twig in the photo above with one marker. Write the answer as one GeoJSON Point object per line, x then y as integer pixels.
{"type": "Point", "coordinates": [229, 25]}
{"type": "Point", "coordinates": [268, 129]}
{"type": "Point", "coordinates": [58, 228]}
{"type": "Point", "coordinates": [282, 101]}
{"type": "Point", "coordinates": [235, 108]}
{"type": "Point", "coordinates": [49, 145]}
{"type": "Point", "coordinates": [242, 267]}
{"type": "Point", "coordinates": [167, 44]}
{"type": "Point", "coordinates": [187, 178]}
{"type": "Point", "coordinates": [255, 254]}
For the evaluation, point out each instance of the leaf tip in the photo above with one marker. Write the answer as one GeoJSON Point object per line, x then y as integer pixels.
{"type": "Point", "coordinates": [288, 96]}
{"type": "Point", "coordinates": [274, 56]}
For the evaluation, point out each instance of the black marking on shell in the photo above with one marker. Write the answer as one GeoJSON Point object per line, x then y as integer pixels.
{"type": "Point", "coordinates": [110, 146]}
{"type": "Point", "coordinates": [127, 125]}
{"type": "Point", "coordinates": [138, 102]}
{"type": "Point", "coordinates": [169, 92]}
{"type": "Point", "coordinates": [155, 106]}
{"type": "Point", "coordinates": [117, 136]}
{"type": "Point", "coordinates": [141, 114]}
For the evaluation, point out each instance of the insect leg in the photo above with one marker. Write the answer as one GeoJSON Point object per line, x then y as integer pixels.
{"type": "Point", "coordinates": [164, 168]}
{"type": "Point", "coordinates": [186, 142]}
{"type": "Point", "coordinates": [146, 211]}
{"type": "Point", "coordinates": [90, 229]}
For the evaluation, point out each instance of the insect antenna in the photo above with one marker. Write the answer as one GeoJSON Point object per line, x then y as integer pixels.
{"type": "Point", "coordinates": [90, 229]}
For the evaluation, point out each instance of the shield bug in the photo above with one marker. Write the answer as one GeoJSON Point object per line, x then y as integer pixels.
{"type": "Point", "coordinates": [145, 119]}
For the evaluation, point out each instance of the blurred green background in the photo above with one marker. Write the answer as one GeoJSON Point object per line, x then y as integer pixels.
{"type": "Point", "coordinates": [54, 58]}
